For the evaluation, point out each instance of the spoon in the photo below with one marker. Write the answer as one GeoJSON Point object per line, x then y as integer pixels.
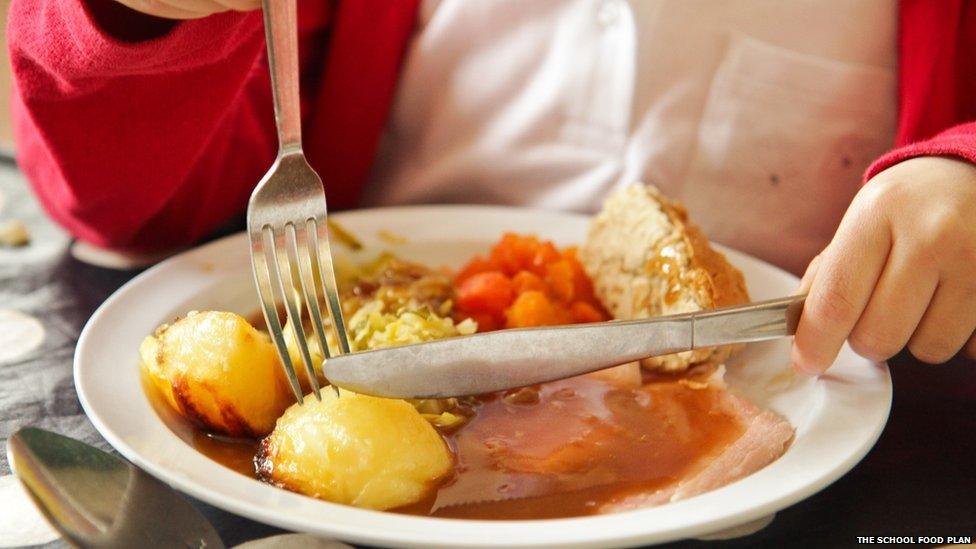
{"type": "Point", "coordinates": [97, 500]}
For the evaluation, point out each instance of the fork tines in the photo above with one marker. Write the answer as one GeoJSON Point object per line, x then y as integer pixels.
{"type": "Point", "coordinates": [295, 278]}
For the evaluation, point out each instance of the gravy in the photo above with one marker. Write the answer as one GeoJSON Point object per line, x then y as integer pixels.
{"type": "Point", "coordinates": [562, 449]}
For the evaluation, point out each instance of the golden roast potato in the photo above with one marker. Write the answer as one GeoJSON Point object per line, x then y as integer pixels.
{"type": "Point", "coordinates": [218, 371]}
{"type": "Point", "coordinates": [355, 449]}
{"type": "Point", "coordinates": [291, 342]}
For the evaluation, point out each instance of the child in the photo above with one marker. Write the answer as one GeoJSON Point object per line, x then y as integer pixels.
{"type": "Point", "coordinates": [139, 130]}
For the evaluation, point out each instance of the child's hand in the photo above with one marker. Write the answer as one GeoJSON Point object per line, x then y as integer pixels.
{"type": "Point", "coordinates": [901, 269]}
{"type": "Point", "coordinates": [189, 9]}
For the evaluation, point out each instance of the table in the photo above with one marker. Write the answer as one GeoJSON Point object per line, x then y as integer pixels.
{"type": "Point", "coordinates": [920, 479]}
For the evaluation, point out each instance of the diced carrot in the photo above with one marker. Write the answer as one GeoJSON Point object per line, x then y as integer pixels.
{"type": "Point", "coordinates": [584, 312]}
{"type": "Point", "coordinates": [486, 322]}
{"type": "Point", "coordinates": [527, 280]}
{"type": "Point", "coordinates": [533, 308]}
{"type": "Point", "coordinates": [582, 285]}
{"type": "Point", "coordinates": [560, 278]}
{"type": "Point", "coordinates": [571, 253]}
{"type": "Point", "coordinates": [489, 292]}
{"type": "Point", "coordinates": [477, 265]}
{"type": "Point", "coordinates": [515, 253]}
{"type": "Point", "coordinates": [505, 255]}
{"type": "Point", "coordinates": [545, 254]}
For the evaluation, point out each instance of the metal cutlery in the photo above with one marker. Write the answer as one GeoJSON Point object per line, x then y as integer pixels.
{"type": "Point", "coordinates": [288, 211]}
{"type": "Point", "coordinates": [97, 500]}
{"type": "Point", "coordinates": [494, 361]}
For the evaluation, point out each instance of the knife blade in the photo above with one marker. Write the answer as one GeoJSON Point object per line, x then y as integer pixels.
{"type": "Point", "coordinates": [506, 359]}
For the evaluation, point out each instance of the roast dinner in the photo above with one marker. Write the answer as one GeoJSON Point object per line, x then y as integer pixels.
{"type": "Point", "coordinates": [636, 435]}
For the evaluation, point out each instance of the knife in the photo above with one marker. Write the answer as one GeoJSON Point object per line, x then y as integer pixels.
{"type": "Point", "coordinates": [506, 359]}
{"type": "Point", "coordinates": [97, 500]}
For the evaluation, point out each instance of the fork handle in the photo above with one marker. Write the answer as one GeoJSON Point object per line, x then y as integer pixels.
{"type": "Point", "coordinates": [281, 34]}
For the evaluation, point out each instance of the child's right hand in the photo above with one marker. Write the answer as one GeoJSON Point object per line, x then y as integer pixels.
{"type": "Point", "coordinates": [189, 9]}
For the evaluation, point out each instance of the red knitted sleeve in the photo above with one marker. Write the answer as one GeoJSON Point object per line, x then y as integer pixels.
{"type": "Point", "coordinates": [139, 145]}
{"type": "Point", "coordinates": [958, 141]}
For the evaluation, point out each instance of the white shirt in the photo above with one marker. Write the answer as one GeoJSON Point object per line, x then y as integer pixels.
{"type": "Point", "coordinates": [759, 115]}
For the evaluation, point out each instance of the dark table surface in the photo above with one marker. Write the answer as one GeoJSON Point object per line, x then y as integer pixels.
{"type": "Point", "coordinates": [920, 478]}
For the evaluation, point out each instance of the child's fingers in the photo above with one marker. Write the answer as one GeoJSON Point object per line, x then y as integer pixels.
{"type": "Point", "coordinates": [970, 349]}
{"type": "Point", "coordinates": [948, 323]}
{"type": "Point", "coordinates": [205, 7]}
{"type": "Point", "coordinates": [175, 9]}
{"type": "Point", "coordinates": [809, 275]}
{"type": "Point", "coordinates": [240, 5]}
{"type": "Point", "coordinates": [897, 304]}
{"type": "Point", "coordinates": [162, 9]}
{"type": "Point", "coordinates": [843, 285]}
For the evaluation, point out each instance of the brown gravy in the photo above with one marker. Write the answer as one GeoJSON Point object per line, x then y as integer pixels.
{"type": "Point", "coordinates": [566, 450]}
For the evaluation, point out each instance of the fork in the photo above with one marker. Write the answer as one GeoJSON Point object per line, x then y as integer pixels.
{"type": "Point", "coordinates": [287, 210]}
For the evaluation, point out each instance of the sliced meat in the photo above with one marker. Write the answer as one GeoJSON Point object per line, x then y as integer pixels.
{"type": "Point", "coordinates": [765, 439]}
{"type": "Point", "coordinates": [584, 445]}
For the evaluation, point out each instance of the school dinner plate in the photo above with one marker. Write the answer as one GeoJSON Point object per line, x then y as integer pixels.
{"type": "Point", "coordinates": [837, 417]}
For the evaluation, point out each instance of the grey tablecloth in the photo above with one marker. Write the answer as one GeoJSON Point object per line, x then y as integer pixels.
{"type": "Point", "coordinates": [43, 280]}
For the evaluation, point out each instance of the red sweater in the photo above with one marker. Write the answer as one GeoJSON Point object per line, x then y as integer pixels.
{"type": "Point", "coordinates": [155, 143]}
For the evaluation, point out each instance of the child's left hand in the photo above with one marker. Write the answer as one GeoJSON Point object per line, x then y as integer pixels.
{"type": "Point", "coordinates": [901, 270]}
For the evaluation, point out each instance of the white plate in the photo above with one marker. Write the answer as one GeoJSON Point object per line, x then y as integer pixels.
{"type": "Point", "coordinates": [837, 417]}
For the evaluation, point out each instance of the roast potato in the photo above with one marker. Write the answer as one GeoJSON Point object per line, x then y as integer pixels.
{"type": "Point", "coordinates": [355, 449]}
{"type": "Point", "coordinates": [291, 342]}
{"type": "Point", "coordinates": [218, 371]}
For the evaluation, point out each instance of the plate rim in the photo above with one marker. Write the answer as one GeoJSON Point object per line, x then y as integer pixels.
{"type": "Point", "coordinates": [415, 537]}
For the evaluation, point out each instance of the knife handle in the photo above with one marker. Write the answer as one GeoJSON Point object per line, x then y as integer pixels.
{"type": "Point", "coordinates": [747, 323]}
